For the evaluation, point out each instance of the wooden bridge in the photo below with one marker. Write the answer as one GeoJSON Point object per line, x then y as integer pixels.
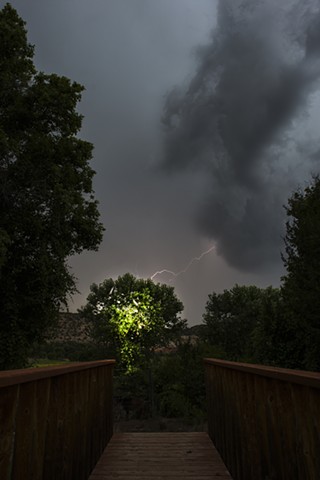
{"type": "Point", "coordinates": [56, 424]}
{"type": "Point", "coordinates": [158, 456]}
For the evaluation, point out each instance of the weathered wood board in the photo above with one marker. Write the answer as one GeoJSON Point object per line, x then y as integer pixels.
{"type": "Point", "coordinates": [158, 456]}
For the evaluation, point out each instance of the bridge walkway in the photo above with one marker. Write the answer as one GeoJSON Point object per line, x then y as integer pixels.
{"type": "Point", "coordinates": [160, 456]}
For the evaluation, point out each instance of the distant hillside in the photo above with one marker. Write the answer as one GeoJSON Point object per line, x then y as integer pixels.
{"type": "Point", "coordinates": [72, 328]}
{"type": "Point", "coordinates": [194, 330]}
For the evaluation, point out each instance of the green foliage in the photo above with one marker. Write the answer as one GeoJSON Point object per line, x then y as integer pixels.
{"type": "Point", "coordinates": [133, 316]}
{"type": "Point", "coordinates": [275, 336]}
{"type": "Point", "coordinates": [47, 208]}
{"type": "Point", "coordinates": [180, 382]}
{"type": "Point", "coordinates": [230, 318]}
{"type": "Point", "coordinates": [301, 284]}
{"type": "Point", "coordinates": [68, 350]}
{"type": "Point", "coordinates": [277, 327]}
{"type": "Point", "coordinates": [171, 385]}
{"type": "Point", "coordinates": [252, 325]}
{"type": "Point", "coordinates": [133, 394]}
{"type": "Point", "coordinates": [257, 325]}
{"type": "Point", "coordinates": [45, 362]}
{"type": "Point", "coordinates": [136, 320]}
{"type": "Point", "coordinates": [173, 403]}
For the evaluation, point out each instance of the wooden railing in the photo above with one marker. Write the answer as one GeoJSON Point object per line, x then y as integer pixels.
{"type": "Point", "coordinates": [264, 421]}
{"type": "Point", "coordinates": [54, 422]}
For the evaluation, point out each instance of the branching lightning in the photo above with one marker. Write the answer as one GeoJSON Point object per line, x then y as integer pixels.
{"type": "Point", "coordinates": [177, 274]}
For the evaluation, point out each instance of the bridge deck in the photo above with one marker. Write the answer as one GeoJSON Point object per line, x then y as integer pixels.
{"type": "Point", "coordinates": [158, 456]}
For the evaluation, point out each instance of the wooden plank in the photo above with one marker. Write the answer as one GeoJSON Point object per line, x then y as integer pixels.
{"type": "Point", "coordinates": [156, 456]}
{"type": "Point", "coordinates": [14, 377]}
{"type": "Point", "coordinates": [24, 432]}
{"type": "Point", "coordinates": [81, 461]}
{"type": "Point", "coordinates": [8, 408]}
{"type": "Point", "coordinates": [53, 461]}
{"type": "Point", "coordinates": [30, 430]}
{"type": "Point", "coordinates": [56, 423]}
{"type": "Point", "coordinates": [302, 377]}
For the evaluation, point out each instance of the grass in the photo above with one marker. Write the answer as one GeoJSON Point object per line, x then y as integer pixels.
{"type": "Point", "coordinates": [46, 362]}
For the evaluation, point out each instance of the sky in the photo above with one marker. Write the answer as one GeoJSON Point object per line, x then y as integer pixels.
{"type": "Point", "coordinates": [204, 117]}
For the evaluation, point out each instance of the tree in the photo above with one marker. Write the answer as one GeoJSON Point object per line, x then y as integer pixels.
{"type": "Point", "coordinates": [274, 339]}
{"type": "Point", "coordinates": [132, 316]}
{"type": "Point", "coordinates": [301, 284]}
{"type": "Point", "coordinates": [230, 318]}
{"type": "Point", "coordinates": [47, 207]}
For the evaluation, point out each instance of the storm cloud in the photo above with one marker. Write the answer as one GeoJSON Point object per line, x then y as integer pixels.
{"type": "Point", "coordinates": [241, 131]}
{"type": "Point", "coordinates": [240, 122]}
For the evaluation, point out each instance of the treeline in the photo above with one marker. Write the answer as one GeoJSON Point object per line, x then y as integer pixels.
{"type": "Point", "coordinates": [279, 327]}
{"type": "Point", "coordinates": [272, 326]}
{"type": "Point", "coordinates": [130, 318]}
{"type": "Point", "coordinates": [252, 324]}
{"type": "Point", "coordinates": [162, 385]}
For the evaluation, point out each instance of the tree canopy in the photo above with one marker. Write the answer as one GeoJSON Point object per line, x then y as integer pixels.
{"type": "Point", "coordinates": [132, 316]}
{"type": "Point", "coordinates": [279, 327]}
{"type": "Point", "coordinates": [252, 324]}
{"type": "Point", "coordinates": [230, 318]}
{"type": "Point", "coordinates": [47, 208]}
{"type": "Point", "coordinates": [301, 284]}
{"type": "Point", "coordinates": [275, 338]}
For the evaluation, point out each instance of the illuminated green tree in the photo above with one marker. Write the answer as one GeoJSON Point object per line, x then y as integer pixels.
{"type": "Point", "coordinates": [132, 316]}
{"type": "Point", "coordinates": [136, 320]}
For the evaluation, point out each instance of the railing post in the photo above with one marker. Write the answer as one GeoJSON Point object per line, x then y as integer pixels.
{"type": "Point", "coordinates": [55, 422]}
{"type": "Point", "coordinates": [264, 421]}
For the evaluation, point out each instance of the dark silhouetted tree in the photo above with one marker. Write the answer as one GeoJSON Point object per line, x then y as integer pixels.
{"type": "Point", "coordinates": [274, 339]}
{"type": "Point", "coordinates": [230, 318]}
{"type": "Point", "coordinates": [47, 208]}
{"type": "Point", "coordinates": [301, 284]}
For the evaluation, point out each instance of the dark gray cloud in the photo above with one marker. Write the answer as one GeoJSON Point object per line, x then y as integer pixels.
{"type": "Point", "coordinates": [233, 122]}
{"type": "Point", "coordinates": [128, 54]}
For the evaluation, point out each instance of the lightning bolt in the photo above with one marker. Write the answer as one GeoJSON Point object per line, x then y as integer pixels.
{"type": "Point", "coordinates": [177, 274]}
